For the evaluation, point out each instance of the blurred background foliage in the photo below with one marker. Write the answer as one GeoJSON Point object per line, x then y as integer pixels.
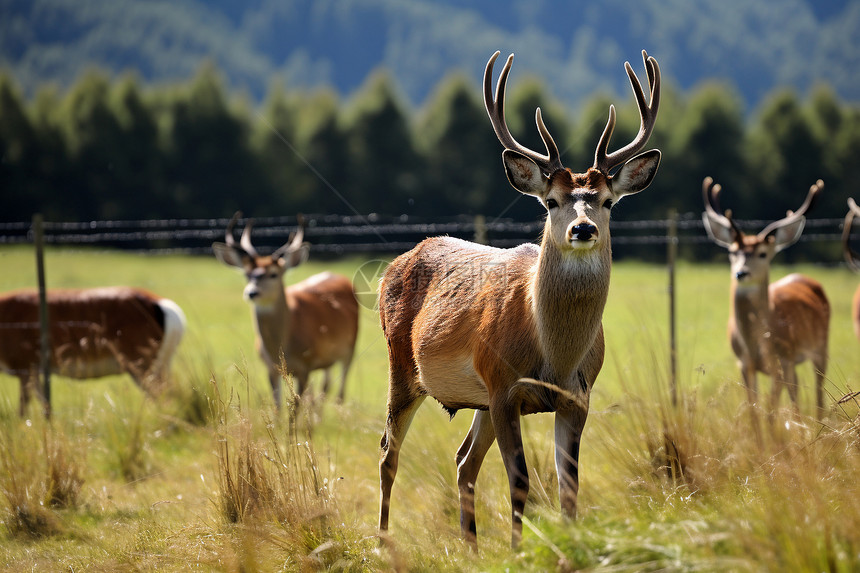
{"type": "Point", "coordinates": [120, 149]}
{"type": "Point", "coordinates": [139, 109]}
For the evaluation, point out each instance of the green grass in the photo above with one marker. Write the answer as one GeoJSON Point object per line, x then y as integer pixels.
{"type": "Point", "coordinates": [152, 489]}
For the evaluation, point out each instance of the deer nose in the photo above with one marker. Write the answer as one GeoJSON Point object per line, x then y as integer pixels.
{"type": "Point", "coordinates": [742, 274]}
{"type": "Point", "coordinates": [251, 293]}
{"type": "Point", "coordinates": [582, 231]}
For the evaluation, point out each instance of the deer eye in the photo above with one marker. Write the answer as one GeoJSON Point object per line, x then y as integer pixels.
{"type": "Point", "coordinates": [762, 255]}
{"type": "Point", "coordinates": [607, 204]}
{"type": "Point", "coordinates": [551, 203]}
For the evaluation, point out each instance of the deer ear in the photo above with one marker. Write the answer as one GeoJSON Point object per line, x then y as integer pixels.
{"type": "Point", "coordinates": [787, 235]}
{"type": "Point", "coordinates": [636, 174]}
{"type": "Point", "coordinates": [718, 233]}
{"type": "Point", "coordinates": [230, 256]}
{"type": "Point", "coordinates": [524, 174]}
{"type": "Point", "coordinates": [295, 257]}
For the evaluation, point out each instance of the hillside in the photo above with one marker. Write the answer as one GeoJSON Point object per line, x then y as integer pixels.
{"type": "Point", "coordinates": [576, 47]}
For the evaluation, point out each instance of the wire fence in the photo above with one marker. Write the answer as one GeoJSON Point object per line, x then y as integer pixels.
{"type": "Point", "coordinates": [336, 234]}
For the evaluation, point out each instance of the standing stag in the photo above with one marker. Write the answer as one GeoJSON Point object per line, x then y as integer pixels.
{"type": "Point", "coordinates": [772, 326]}
{"type": "Point", "coordinates": [853, 259]}
{"type": "Point", "coordinates": [509, 332]}
{"type": "Point", "coordinates": [94, 332]}
{"type": "Point", "coordinates": [308, 326]}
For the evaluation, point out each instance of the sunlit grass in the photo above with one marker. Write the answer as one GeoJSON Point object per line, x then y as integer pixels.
{"type": "Point", "coordinates": [662, 487]}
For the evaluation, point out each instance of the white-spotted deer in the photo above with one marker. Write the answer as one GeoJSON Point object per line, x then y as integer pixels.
{"type": "Point", "coordinates": [309, 326]}
{"type": "Point", "coordinates": [772, 327]}
{"type": "Point", "coordinates": [853, 260]}
{"type": "Point", "coordinates": [509, 332]}
{"type": "Point", "coordinates": [94, 332]}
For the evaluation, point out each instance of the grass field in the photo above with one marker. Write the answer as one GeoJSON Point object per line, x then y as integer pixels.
{"type": "Point", "coordinates": [210, 478]}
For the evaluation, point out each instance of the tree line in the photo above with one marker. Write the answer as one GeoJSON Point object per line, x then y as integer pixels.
{"type": "Point", "coordinates": [112, 148]}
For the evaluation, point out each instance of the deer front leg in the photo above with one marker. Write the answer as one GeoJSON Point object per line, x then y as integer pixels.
{"type": "Point", "coordinates": [506, 423]}
{"type": "Point", "coordinates": [751, 384]}
{"type": "Point", "coordinates": [568, 431]}
{"type": "Point", "coordinates": [275, 383]}
{"type": "Point", "coordinates": [470, 456]}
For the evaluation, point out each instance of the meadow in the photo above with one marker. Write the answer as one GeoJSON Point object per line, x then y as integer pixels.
{"type": "Point", "coordinates": [209, 477]}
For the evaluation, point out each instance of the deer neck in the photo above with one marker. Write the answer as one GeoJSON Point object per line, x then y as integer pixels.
{"type": "Point", "coordinates": [568, 295]}
{"type": "Point", "coordinates": [272, 322]}
{"type": "Point", "coordinates": [751, 308]}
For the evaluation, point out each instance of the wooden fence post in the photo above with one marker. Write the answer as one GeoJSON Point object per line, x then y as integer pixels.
{"type": "Point", "coordinates": [671, 255]}
{"type": "Point", "coordinates": [45, 338]}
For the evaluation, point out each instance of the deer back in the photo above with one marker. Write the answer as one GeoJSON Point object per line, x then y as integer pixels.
{"type": "Point", "coordinates": [323, 321]}
{"type": "Point", "coordinates": [800, 316]}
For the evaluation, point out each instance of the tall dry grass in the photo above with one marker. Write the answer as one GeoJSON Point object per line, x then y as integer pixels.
{"type": "Point", "coordinates": [41, 470]}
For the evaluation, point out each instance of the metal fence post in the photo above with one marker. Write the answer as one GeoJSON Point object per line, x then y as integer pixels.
{"type": "Point", "coordinates": [45, 338]}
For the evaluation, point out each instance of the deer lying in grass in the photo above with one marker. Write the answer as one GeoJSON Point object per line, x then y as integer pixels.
{"type": "Point", "coordinates": [853, 259]}
{"type": "Point", "coordinates": [93, 332]}
{"type": "Point", "coordinates": [310, 325]}
{"type": "Point", "coordinates": [509, 332]}
{"type": "Point", "coordinates": [772, 326]}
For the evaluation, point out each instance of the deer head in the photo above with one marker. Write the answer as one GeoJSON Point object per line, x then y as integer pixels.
{"type": "Point", "coordinates": [578, 204]}
{"type": "Point", "coordinates": [264, 273]}
{"type": "Point", "coordinates": [750, 255]}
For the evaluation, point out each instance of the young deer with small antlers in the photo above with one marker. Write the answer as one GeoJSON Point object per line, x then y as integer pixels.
{"type": "Point", "coordinates": [853, 260]}
{"type": "Point", "coordinates": [772, 327]}
{"type": "Point", "coordinates": [509, 332]}
{"type": "Point", "coordinates": [310, 325]}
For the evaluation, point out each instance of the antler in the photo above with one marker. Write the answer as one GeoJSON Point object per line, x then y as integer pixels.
{"type": "Point", "coordinates": [647, 114]}
{"type": "Point", "coordinates": [792, 217]}
{"type": "Point", "coordinates": [295, 242]}
{"type": "Point", "coordinates": [710, 194]}
{"type": "Point", "coordinates": [245, 241]}
{"type": "Point", "coordinates": [548, 163]}
{"type": "Point", "coordinates": [246, 246]}
{"type": "Point", "coordinates": [852, 257]}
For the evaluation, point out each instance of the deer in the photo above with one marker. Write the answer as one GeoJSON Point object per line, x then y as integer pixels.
{"type": "Point", "coordinates": [511, 332]}
{"type": "Point", "coordinates": [772, 327]}
{"type": "Point", "coordinates": [93, 332]}
{"type": "Point", "coordinates": [307, 326]}
{"type": "Point", "coordinates": [853, 260]}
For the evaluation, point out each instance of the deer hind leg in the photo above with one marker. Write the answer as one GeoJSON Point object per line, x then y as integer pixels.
{"type": "Point", "coordinates": [470, 456]}
{"type": "Point", "coordinates": [790, 381]}
{"type": "Point", "coordinates": [819, 363]}
{"type": "Point", "coordinates": [326, 381]}
{"type": "Point", "coordinates": [401, 409]}
{"type": "Point", "coordinates": [505, 414]}
{"type": "Point", "coordinates": [344, 370]}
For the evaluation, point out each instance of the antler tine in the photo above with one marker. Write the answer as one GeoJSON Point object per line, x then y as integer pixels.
{"type": "Point", "coordinates": [647, 117]}
{"type": "Point", "coordinates": [300, 233]}
{"type": "Point", "coordinates": [228, 235]}
{"type": "Point", "coordinates": [495, 105]}
{"type": "Point", "coordinates": [710, 194]}
{"type": "Point", "coordinates": [295, 240]}
{"type": "Point", "coordinates": [852, 257]}
{"type": "Point", "coordinates": [790, 217]}
{"type": "Point", "coordinates": [245, 241]}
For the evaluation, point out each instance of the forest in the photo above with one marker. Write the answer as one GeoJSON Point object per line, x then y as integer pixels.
{"type": "Point", "coordinates": [118, 148]}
